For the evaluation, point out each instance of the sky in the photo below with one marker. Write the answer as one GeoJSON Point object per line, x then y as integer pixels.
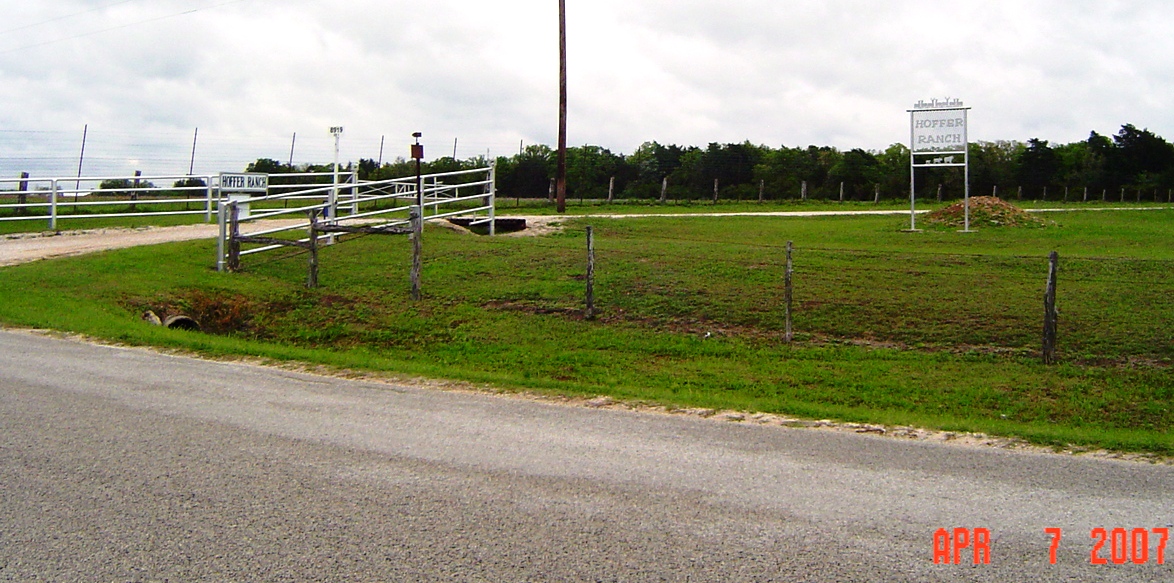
{"type": "Point", "coordinates": [143, 80]}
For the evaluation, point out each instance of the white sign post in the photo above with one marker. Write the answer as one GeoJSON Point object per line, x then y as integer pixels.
{"type": "Point", "coordinates": [938, 138]}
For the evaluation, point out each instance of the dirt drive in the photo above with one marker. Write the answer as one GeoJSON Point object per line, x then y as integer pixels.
{"type": "Point", "coordinates": [26, 247]}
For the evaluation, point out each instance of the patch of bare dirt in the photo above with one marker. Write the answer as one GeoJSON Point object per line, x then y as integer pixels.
{"type": "Point", "coordinates": [26, 247]}
{"type": "Point", "coordinates": [538, 226]}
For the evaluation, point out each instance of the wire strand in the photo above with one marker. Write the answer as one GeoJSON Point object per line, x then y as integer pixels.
{"type": "Point", "coordinates": [119, 27]}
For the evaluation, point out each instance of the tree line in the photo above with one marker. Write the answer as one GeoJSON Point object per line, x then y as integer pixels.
{"type": "Point", "coordinates": [1135, 161]}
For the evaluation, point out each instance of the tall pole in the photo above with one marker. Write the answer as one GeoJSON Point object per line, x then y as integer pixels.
{"type": "Point", "coordinates": [192, 166]}
{"type": "Point", "coordinates": [81, 158]}
{"type": "Point", "coordinates": [561, 177]}
{"type": "Point", "coordinates": [293, 141]}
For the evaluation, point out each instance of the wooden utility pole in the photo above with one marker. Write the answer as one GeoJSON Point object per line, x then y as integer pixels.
{"type": "Point", "coordinates": [192, 163]}
{"type": "Point", "coordinates": [561, 177]}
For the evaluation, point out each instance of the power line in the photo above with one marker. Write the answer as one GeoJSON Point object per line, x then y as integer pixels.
{"type": "Point", "coordinates": [67, 16]}
{"type": "Point", "coordinates": [119, 27]}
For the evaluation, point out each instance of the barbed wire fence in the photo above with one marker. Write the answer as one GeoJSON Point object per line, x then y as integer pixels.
{"type": "Point", "coordinates": [1061, 309]}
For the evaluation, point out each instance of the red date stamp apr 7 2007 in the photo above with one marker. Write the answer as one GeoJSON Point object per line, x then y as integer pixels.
{"type": "Point", "coordinates": [1116, 546]}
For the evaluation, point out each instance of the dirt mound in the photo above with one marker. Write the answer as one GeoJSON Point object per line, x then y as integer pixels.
{"type": "Point", "coordinates": [985, 211]}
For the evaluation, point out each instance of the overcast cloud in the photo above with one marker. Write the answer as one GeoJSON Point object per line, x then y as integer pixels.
{"type": "Point", "coordinates": [143, 74]}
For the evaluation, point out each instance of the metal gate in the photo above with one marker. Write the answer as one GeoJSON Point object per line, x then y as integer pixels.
{"type": "Point", "coordinates": [323, 211]}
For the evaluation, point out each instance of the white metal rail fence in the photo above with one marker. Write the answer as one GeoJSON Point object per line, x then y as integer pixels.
{"type": "Point", "coordinates": [345, 204]}
{"type": "Point", "coordinates": [54, 199]}
{"type": "Point", "coordinates": [350, 207]}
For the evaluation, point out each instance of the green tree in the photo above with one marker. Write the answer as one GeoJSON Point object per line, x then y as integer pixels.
{"type": "Point", "coordinates": [1144, 159]}
{"type": "Point", "coordinates": [893, 167]}
{"type": "Point", "coordinates": [268, 166]}
{"type": "Point", "coordinates": [1037, 165]}
{"type": "Point", "coordinates": [992, 164]}
{"type": "Point", "coordinates": [858, 170]}
{"type": "Point", "coordinates": [590, 169]}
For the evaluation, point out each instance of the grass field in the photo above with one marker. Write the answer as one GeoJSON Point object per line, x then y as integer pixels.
{"type": "Point", "coordinates": [936, 329]}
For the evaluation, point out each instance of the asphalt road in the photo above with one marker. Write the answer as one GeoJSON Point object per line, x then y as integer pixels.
{"type": "Point", "coordinates": [127, 465]}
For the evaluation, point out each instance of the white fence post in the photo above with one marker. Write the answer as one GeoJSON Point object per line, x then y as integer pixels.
{"type": "Point", "coordinates": [354, 192]}
{"type": "Point", "coordinates": [492, 199]}
{"type": "Point", "coordinates": [53, 207]}
{"type": "Point", "coordinates": [208, 203]}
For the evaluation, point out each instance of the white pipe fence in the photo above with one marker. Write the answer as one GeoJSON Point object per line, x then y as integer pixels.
{"type": "Point", "coordinates": [465, 192]}
{"type": "Point", "coordinates": [473, 190]}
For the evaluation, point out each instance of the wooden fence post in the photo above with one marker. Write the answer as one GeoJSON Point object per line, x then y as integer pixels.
{"type": "Point", "coordinates": [1050, 315]}
{"type": "Point", "coordinates": [611, 189]}
{"type": "Point", "coordinates": [312, 276]}
{"type": "Point", "coordinates": [22, 195]}
{"type": "Point", "coordinates": [1086, 194]}
{"type": "Point", "coordinates": [134, 194]}
{"type": "Point", "coordinates": [803, 191]}
{"type": "Point", "coordinates": [995, 191]}
{"type": "Point", "coordinates": [841, 191]}
{"type": "Point", "coordinates": [590, 312]}
{"type": "Point", "coordinates": [876, 194]}
{"type": "Point", "coordinates": [1045, 196]}
{"type": "Point", "coordinates": [664, 189]}
{"type": "Point", "coordinates": [714, 191]}
{"type": "Point", "coordinates": [417, 218]}
{"type": "Point", "coordinates": [550, 192]}
{"type": "Point", "coordinates": [761, 189]}
{"type": "Point", "coordinates": [234, 233]}
{"type": "Point", "coordinates": [939, 193]}
{"type": "Point", "coordinates": [787, 293]}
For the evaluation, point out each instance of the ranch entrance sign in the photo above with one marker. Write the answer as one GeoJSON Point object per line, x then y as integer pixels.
{"type": "Point", "coordinates": [938, 138]}
{"type": "Point", "coordinates": [244, 182]}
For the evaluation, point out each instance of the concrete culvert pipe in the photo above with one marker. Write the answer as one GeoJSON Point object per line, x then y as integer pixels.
{"type": "Point", "coordinates": [181, 322]}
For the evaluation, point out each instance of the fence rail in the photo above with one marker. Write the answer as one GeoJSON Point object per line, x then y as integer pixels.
{"type": "Point", "coordinates": [383, 204]}
{"type": "Point", "coordinates": [465, 192]}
